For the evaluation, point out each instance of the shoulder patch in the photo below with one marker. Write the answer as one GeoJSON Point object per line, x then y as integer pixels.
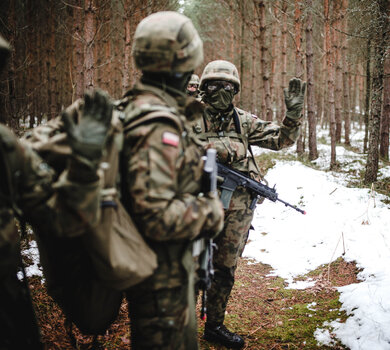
{"type": "Point", "coordinates": [169, 138]}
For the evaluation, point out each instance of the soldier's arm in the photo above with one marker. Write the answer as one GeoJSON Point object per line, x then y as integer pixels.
{"type": "Point", "coordinates": [159, 201]}
{"type": "Point", "coordinates": [268, 135]}
{"type": "Point", "coordinates": [271, 135]}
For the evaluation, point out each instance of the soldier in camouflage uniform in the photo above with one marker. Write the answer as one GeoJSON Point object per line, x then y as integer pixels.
{"type": "Point", "coordinates": [193, 86]}
{"type": "Point", "coordinates": [29, 192]}
{"type": "Point", "coordinates": [232, 131]}
{"type": "Point", "coordinates": [160, 177]}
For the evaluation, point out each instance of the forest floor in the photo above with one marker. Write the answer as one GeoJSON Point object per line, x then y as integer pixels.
{"type": "Point", "coordinates": [261, 309]}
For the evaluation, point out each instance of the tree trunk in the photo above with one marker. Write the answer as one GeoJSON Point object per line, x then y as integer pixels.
{"type": "Point", "coordinates": [330, 70]}
{"type": "Point", "coordinates": [253, 75]}
{"type": "Point", "coordinates": [299, 71]}
{"type": "Point", "coordinates": [346, 85]}
{"type": "Point", "coordinates": [381, 42]}
{"type": "Point", "coordinates": [78, 52]}
{"type": "Point", "coordinates": [368, 95]}
{"type": "Point", "coordinates": [127, 50]}
{"type": "Point", "coordinates": [284, 57]}
{"type": "Point", "coordinates": [52, 76]}
{"type": "Point", "coordinates": [339, 71]}
{"type": "Point", "coordinates": [313, 153]}
{"type": "Point", "coordinates": [274, 92]}
{"type": "Point", "coordinates": [89, 36]}
{"type": "Point", "coordinates": [264, 63]}
{"type": "Point", "coordinates": [242, 52]}
{"type": "Point", "coordinates": [384, 141]}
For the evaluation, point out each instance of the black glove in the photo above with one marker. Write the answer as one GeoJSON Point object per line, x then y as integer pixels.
{"type": "Point", "coordinates": [294, 98]}
{"type": "Point", "coordinates": [87, 139]}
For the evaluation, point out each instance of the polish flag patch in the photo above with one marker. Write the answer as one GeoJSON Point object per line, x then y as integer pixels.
{"type": "Point", "coordinates": [169, 138]}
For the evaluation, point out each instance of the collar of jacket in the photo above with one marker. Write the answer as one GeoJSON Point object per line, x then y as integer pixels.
{"type": "Point", "coordinates": [218, 118]}
{"type": "Point", "coordinates": [172, 97]}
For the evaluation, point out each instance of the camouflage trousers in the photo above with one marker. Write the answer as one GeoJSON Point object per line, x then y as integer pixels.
{"type": "Point", "coordinates": [230, 242]}
{"type": "Point", "coordinates": [162, 308]}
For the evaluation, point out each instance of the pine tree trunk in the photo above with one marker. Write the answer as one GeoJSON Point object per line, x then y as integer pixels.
{"type": "Point", "coordinates": [346, 85]}
{"type": "Point", "coordinates": [264, 63]}
{"type": "Point", "coordinates": [89, 36]}
{"type": "Point", "coordinates": [284, 56]}
{"type": "Point", "coordinates": [384, 142]}
{"type": "Point", "coordinates": [78, 51]}
{"type": "Point", "coordinates": [274, 92]}
{"type": "Point", "coordinates": [242, 52]}
{"type": "Point", "coordinates": [368, 96]}
{"type": "Point", "coordinates": [299, 71]}
{"type": "Point", "coordinates": [331, 74]}
{"type": "Point", "coordinates": [127, 50]}
{"type": "Point", "coordinates": [313, 153]}
{"type": "Point", "coordinates": [52, 76]}
{"type": "Point", "coordinates": [381, 42]}
{"type": "Point", "coordinates": [339, 71]}
{"type": "Point", "coordinates": [253, 71]}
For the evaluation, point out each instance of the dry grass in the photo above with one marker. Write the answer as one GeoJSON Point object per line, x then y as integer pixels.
{"type": "Point", "coordinates": [260, 309]}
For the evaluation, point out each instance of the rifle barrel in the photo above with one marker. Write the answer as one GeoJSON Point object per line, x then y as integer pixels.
{"type": "Point", "coordinates": [292, 206]}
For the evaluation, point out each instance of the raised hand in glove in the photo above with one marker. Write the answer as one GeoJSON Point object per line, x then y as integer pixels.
{"type": "Point", "coordinates": [294, 98]}
{"type": "Point", "coordinates": [87, 138]}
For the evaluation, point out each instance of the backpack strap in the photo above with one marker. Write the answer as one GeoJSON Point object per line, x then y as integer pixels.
{"type": "Point", "coordinates": [147, 112]}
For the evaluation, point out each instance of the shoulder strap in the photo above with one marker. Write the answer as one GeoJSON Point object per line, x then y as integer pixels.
{"type": "Point", "coordinates": [147, 112]}
{"type": "Point", "coordinates": [236, 120]}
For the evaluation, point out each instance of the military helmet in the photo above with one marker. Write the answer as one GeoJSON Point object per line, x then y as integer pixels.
{"type": "Point", "coordinates": [167, 41]}
{"type": "Point", "coordinates": [220, 70]}
{"type": "Point", "coordinates": [194, 79]}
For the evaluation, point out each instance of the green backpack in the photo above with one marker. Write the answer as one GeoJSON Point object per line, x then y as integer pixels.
{"type": "Point", "coordinates": [86, 274]}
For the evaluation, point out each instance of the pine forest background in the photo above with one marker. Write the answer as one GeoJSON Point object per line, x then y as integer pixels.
{"type": "Point", "coordinates": [340, 47]}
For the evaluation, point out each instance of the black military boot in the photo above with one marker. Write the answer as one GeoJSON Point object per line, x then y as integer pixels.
{"type": "Point", "coordinates": [220, 334]}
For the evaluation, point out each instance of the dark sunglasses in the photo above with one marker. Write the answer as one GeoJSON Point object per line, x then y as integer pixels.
{"type": "Point", "coordinates": [216, 85]}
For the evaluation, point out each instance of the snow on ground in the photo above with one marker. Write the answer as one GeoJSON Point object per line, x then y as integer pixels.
{"type": "Point", "coordinates": [340, 221]}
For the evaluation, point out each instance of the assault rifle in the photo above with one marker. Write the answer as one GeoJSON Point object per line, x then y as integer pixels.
{"type": "Point", "coordinates": [233, 178]}
{"type": "Point", "coordinates": [203, 248]}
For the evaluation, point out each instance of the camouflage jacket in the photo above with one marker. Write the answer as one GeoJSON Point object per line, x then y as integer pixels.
{"type": "Point", "coordinates": [232, 134]}
{"type": "Point", "coordinates": [163, 167]}
{"type": "Point", "coordinates": [30, 191]}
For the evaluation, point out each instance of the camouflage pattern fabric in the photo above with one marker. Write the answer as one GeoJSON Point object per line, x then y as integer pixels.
{"type": "Point", "coordinates": [230, 242]}
{"type": "Point", "coordinates": [218, 130]}
{"type": "Point", "coordinates": [167, 41]}
{"type": "Point", "coordinates": [23, 186]}
{"type": "Point", "coordinates": [162, 172]}
{"type": "Point", "coordinates": [29, 191]}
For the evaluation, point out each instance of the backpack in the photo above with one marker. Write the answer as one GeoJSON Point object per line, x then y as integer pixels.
{"type": "Point", "coordinates": [87, 272]}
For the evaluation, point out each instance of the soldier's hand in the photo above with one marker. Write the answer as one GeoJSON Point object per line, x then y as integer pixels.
{"type": "Point", "coordinates": [294, 98]}
{"type": "Point", "coordinates": [87, 139]}
{"type": "Point", "coordinates": [215, 220]}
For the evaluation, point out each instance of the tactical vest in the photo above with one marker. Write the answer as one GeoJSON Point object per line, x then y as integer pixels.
{"type": "Point", "coordinates": [242, 122]}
